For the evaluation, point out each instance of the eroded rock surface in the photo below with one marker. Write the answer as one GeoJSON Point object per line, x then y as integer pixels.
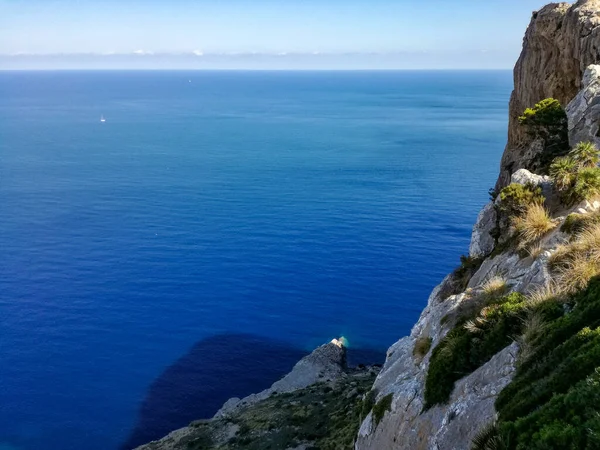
{"type": "Point", "coordinates": [584, 110]}
{"type": "Point", "coordinates": [561, 41]}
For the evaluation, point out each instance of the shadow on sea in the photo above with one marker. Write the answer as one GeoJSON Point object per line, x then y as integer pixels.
{"type": "Point", "coordinates": [214, 370]}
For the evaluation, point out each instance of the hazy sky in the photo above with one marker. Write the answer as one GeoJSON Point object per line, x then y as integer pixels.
{"type": "Point", "coordinates": [468, 30]}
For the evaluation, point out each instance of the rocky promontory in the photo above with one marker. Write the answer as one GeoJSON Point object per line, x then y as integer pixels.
{"type": "Point", "coordinates": [506, 354]}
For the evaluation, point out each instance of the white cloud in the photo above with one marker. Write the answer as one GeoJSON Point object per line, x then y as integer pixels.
{"type": "Point", "coordinates": [198, 52]}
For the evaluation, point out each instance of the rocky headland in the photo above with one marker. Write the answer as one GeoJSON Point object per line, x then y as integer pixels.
{"type": "Point", "coordinates": [506, 354]}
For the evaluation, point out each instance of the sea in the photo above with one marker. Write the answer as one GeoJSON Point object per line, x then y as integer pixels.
{"type": "Point", "coordinates": [215, 228]}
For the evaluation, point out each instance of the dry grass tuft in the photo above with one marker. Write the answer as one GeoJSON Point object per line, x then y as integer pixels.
{"type": "Point", "coordinates": [577, 272]}
{"type": "Point", "coordinates": [422, 346]}
{"type": "Point", "coordinates": [543, 294]}
{"type": "Point", "coordinates": [495, 287]}
{"type": "Point", "coordinates": [533, 327]}
{"type": "Point", "coordinates": [534, 250]}
{"type": "Point", "coordinates": [532, 225]}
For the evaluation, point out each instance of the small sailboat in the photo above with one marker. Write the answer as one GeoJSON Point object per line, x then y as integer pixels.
{"type": "Point", "coordinates": [102, 119]}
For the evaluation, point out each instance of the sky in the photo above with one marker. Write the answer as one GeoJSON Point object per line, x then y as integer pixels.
{"type": "Point", "coordinates": [267, 34]}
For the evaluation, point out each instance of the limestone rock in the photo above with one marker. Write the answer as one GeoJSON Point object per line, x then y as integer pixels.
{"type": "Point", "coordinates": [584, 110]}
{"type": "Point", "coordinates": [482, 243]}
{"type": "Point", "coordinates": [561, 41]}
{"type": "Point", "coordinates": [327, 362]}
{"type": "Point", "coordinates": [450, 426]}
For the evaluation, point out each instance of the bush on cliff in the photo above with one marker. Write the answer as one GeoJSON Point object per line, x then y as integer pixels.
{"type": "Point", "coordinates": [547, 121]}
{"type": "Point", "coordinates": [576, 176]}
{"type": "Point", "coordinates": [532, 225]}
{"type": "Point", "coordinates": [514, 202]}
{"type": "Point", "coordinates": [553, 401]}
{"type": "Point", "coordinates": [471, 344]}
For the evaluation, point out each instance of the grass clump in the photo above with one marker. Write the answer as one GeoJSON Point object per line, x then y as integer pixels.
{"type": "Point", "coordinates": [381, 407]}
{"type": "Point", "coordinates": [514, 202]}
{"type": "Point", "coordinates": [532, 225]}
{"type": "Point", "coordinates": [422, 346]}
{"type": "Point", "coordinates": [576, 223]}
{"type": "Point", "coordinates": [471, 343]}
{"type": "Point", "coordinates": [574, 264]}
{"type": "Point", "coordinates": [576, 176]}
{"type": "Point", "coordinates": [587, 184]}
{"type": "Point", "coordinates": [489, 438]}
{"type": "Point", "coordinates": [494, 287]}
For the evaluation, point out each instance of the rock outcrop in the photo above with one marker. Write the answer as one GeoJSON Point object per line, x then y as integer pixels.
{"type": "Point", "coordinates": [316, 375]}
{"type": "Point", "coordinates": [583, 112]}
{"type": "Point", "coordinates": [561, 41]}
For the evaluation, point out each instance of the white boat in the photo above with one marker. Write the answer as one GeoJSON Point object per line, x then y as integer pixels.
{"type": "Point", "coordinates": [102, 119]}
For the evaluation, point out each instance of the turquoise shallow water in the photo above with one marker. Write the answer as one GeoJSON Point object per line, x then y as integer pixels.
{"type": "Point", "coordinates": [215, 228]}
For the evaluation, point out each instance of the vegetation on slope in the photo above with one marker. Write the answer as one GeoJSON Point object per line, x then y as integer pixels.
{"type": "Point", "coordinates": [324, 416]}
{"type": "Point", "coordinates": [547, 121]}
{"type": "Point", "coordinates": [474, 341]}
{"type": "Point", "coordinates": [554, 400]}
{"type": "Point", "coordinates": [576, 176]}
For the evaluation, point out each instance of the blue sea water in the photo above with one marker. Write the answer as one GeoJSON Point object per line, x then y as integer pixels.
{"type": "Point", "coordinates": [215, 228]}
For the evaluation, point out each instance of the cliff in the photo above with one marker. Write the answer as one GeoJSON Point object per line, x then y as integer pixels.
{"type": "Point", "coordinates": [435, 409]}
{"type": "Point", "coordinates": [560, 42]}
{"type": "Point", "coordinates": [506, 354]}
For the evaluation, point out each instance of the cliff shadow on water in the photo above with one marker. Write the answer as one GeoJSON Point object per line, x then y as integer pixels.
{"type": "Point", "coordinates": [214, 370]}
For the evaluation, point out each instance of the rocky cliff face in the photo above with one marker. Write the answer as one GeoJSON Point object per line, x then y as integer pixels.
{"type": "Point", "coordinates": [560, 47]}
{"type": "Point", "coordinates": [560, 42]}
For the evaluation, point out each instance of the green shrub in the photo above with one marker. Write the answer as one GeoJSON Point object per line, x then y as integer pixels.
{"type": "Point", "coordinates": [471, 344]}
{"type": "Point", "coordinates": [516, 198]}
{"type": "Point", "coordinates": [553, 401]}
{"type": "Point", "coordinates": [587, 184]}
{"type": "Point", "coordinates": [367, 404]}
{"type": "Point", "coordinates": [547, 120]}
{"type": "Point", "coordinates": [563, 172]}
{"type": "Point", "coordinates": [585, 154]}
{"type": "Point", "coordinates": [380, 408]}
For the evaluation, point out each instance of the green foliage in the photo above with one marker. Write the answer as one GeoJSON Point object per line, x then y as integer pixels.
{"type": "Point", "coordinates": [471, 344]}
{"type": "Point", "coordinates": [587, 184]}
{"type": "Point", "coordinates": [553, 401]}
{"type": "Point", "coordinates": [585, 154]}
{"type": "Point", "coordinates": [547, 114]}
{"type": "Point", "coordinates": [367, 403]}
{"type": "Point", "coordinates": [325, 416]}
{"type": "Point", "coordinates": [576, 223]}
{"type": "Point", "coordinates": [576, 176]}
{"type": "Point", "coordinates": [384, 404]}
{"type": "Point", "coordinates": [516, 198]}
{"type": "Point", "coordinates": [547, 120]}
{"type": "Point", "coordinates": [563, 171]}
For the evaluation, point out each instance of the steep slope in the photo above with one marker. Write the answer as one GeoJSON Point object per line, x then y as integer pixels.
{"type": "Point", "coordinates": [437, 407]}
